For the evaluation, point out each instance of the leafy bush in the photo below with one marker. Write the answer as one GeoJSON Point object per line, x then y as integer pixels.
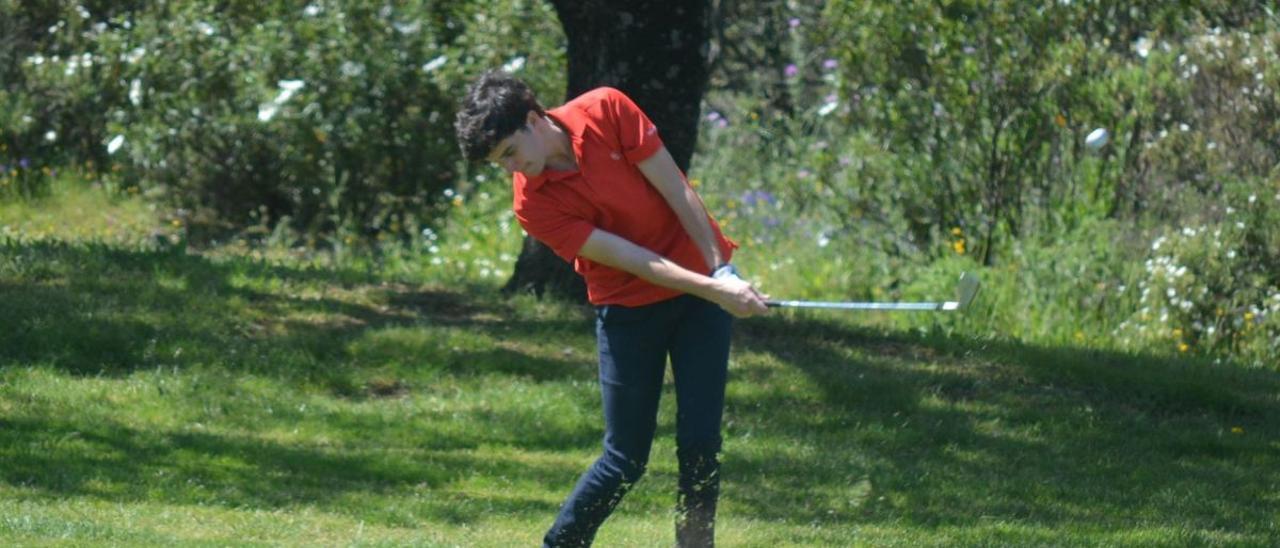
{"type": "Point", "coordinates": [1213, 287]}
{"type": "Point", "coordinates": [933, 138]}
{"type": "Point", "coordinates": [336, 116]}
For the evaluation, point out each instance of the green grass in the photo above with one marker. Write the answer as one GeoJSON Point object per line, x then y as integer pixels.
{"type": "Point", "coordinates": [152, 395]}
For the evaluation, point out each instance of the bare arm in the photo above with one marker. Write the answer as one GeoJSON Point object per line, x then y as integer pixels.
{"type": "Point", "coordinates": [734, 295]}
{"type": "Point", "coordinates": [664, 175]}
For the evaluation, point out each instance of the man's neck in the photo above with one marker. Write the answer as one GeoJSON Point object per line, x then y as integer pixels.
{"type": "Point", "coordinates": [562, 159]}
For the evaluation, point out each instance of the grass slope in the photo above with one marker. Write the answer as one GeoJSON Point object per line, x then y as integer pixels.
{"type": "Point", "coordinates": [154, 396]}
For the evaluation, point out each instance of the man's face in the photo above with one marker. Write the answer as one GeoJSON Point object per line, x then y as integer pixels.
{"type": "Point", "coordinates": [521, 151]}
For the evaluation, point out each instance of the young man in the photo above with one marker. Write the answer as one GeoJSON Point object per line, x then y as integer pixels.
{"type": "Point", "coordinates": [594, 183]}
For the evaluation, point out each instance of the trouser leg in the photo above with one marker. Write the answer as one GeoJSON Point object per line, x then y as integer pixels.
{"type": "Point", "coordinates": [632, 348]}
{"type": "Point", "coordinates": [699, 360]}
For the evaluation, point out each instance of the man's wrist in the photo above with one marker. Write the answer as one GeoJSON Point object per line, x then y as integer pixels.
{"type": "Point", "coordinates": [725, 270]}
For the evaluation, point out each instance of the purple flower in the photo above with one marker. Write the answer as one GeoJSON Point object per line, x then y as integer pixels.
{"type": "Point", "coordinates": [24, 163]}
{"type": "Point", "coordinates": [791, 71]}
{"type": "Point", "coordinates": [803, 174]}
{"type": "Point", "coordinates": [845, 161]}
{"type": "Point", "coordinates": [830, 64]}
{"type": "Point", "coordinates": [794, 22]}
{"type": "Point", "coordinates": [756, 197]}
{"type": "Point", "coordinates": [722, 123]}
{"type": "Point", "coordinates": [713, 116]}
{"type": "Point", "coordinates": [970, 50]}
{"type": "Point", "coordinates": [772, 222]}
{"type": "Point", "coordinates": [831, 98]}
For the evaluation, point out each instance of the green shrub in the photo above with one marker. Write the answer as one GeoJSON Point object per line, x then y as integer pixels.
{"type": "Point", "coordinates": [335, 117]}
{"type": "Point", "coordinates": [1213, 287]}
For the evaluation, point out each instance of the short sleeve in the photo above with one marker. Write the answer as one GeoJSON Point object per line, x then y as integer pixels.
{"type": "Point", "coordinates": [636, 133]}
{"type": "Point", "coordinates": [565, 234]}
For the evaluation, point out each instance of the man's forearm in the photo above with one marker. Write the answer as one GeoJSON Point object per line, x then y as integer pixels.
{"type": "Point", "coordinates": [662, 172]}
{"type": "Point", "coordinates": [614, 251]}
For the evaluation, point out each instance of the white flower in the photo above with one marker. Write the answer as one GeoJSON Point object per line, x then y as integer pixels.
{"type": "Point", "coordinates": [1231, 254]}
{"type": "Point", "coordinates": [115, 144]}
{"type": "Point", "coordinates": [205, 28]}
{"type": "Point", "coordinates": [352, 69]}
{"type": "Point", "coordinates": [135, 55]}
{"type": "Point", "coordinates": [823, 240]}
{"type": "Point", "coordinates": [408, 28]}
{"type": "Point", "coordinates": [1142, 47]}
{"type": "Point", "coordinates": [1184, 127]}
{"type": "Point", "coordinates": [267, 111]}
{"type": "Point", "coordinates": [828, 108]}
{"type": "Point", "coordinates": [311, 10]}
{"type": "Point", "coordinates": [135, 92]}
{"type": "Point", "coordinates": [435, 63]}
{"type": "Point", "coordinates": [50, 136]}
{"type": "Point", "coordinates": [1171, 293]}
{"type": "Point", "coordinates": [1253, 198]}
{"type": "Point", "coordinates": [291, 85]}
{"type": "Point", "coordinates": [514, 65]}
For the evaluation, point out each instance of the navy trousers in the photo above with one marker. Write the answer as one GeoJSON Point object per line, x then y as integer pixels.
{"type": "Point", "coordinates": [634, 344]}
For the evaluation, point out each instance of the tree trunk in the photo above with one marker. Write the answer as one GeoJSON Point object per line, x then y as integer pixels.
{"type": "Point", "coordinates": [656, 52]}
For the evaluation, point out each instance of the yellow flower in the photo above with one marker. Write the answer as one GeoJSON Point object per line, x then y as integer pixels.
{"type": "Point", "coordinates": [1237, 430]}
{"type": "Point", "coordinates": [695, 182]}
{"type": "Point", "coordinates": [1177, 333]}
{"type": "Point", "coordinates": [1080, 336]}
{"type": "Point", "coordinates": [957, 232]}
{"type": "Point", "coordinates": [755, 116]}
{"type": "Point", "coordinates": [958, 246]}
{"type": "Point", "coordinates": [176, 223]}
{"type": "Point", "coordinates": [1060, 120]}
{"type": "Point", "coordinates": [457, 201]}
{"type": "Point", "coordinates": [1248, 316]}
{"type": "Point", "coordinates": [1183, 347]}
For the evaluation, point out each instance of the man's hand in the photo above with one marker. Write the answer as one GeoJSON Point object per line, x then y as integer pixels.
{"type": "Point", "coordinates": [737, 296]}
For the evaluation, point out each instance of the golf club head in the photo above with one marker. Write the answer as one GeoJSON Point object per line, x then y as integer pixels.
{"type": "Point", "coordinates": [967, 289]}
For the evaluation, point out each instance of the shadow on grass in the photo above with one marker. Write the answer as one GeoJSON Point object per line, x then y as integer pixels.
{"type": "Point", "coordinates": [949, 432]}
{"type": "Point", "coordinates": [96, 310]}
{"type": "Point", "coordinates": [844, 425]}
{"type": "Point", "coordinates": [58, 459]}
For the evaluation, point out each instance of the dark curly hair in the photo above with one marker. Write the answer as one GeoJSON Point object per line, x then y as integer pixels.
{"type": "Point", "coordinates": [496, 106]}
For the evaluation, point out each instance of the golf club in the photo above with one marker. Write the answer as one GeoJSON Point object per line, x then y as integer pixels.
{"type": "Point", "coordinates": [965, 291]}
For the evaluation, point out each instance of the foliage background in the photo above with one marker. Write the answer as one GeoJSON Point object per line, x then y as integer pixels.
{"type": "Point", "coordinates": [857, 150]}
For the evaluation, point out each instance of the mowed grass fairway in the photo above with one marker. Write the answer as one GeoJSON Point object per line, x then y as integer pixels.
{"type": "Point", "coordinates": [154, 396]}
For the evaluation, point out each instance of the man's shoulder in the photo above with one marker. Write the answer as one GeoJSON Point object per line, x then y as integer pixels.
{"type": "Point", "coordinates": [596, 102]}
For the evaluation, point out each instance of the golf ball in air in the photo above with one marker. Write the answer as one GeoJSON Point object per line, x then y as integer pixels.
{"type": "Point", "coordinates": [1096, 138]}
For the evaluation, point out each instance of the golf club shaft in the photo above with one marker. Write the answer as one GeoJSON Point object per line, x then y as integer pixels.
{"type": "Point", "coordinates": [863, 305]}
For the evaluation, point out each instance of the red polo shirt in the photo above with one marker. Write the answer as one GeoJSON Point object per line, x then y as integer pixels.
{"type": "Point", "coordinates": [610, 135]}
